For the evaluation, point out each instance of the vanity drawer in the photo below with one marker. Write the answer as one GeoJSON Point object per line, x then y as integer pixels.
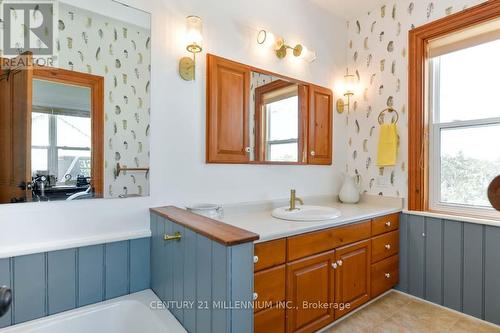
{"type": "Point", "coordinates": [384, 275]}
{"type": "Point", "coordinates": [269, 254]}
{"type": "Point", "coordinates": [269, 286]}
{"type": "Point", "coordinates": [384, 224]}
{"type": "Point", "coordinates": [385, 245]}
{"type": "Point", "coordinates": [270, 320]}
{"type": "Point", "coordinates": [320, 241]}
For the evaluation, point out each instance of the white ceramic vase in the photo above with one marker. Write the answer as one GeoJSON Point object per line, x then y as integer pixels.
{"type": "Point", "coordinates": [349, 193]}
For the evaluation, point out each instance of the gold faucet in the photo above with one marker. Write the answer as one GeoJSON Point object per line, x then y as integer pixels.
{"type": "Point", "coordinates": [293, 200]}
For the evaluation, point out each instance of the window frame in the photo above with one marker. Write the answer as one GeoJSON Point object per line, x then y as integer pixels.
{"type": "Point", "coordinates": [420, 129]}
{"type": "Point", "coordinates": [53, 148]}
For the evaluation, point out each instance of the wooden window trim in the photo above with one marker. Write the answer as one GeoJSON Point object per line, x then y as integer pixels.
{"type": "Point", "coordinates": [418, 131]}
{"type": "Point", "coordinates": [96, 85]}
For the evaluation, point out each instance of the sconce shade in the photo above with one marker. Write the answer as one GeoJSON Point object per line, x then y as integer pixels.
{"type": "Point", "coordinates": [307, 54]}
{"type": "Point", "coordinates": [350, 84]}
{"type": "Point", "coordinates": [194, 36]}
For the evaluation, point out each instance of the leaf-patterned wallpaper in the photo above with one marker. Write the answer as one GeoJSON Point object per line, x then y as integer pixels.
{"type": "Point", "coordinates": [378, 57]}
{"type": "Point", "coordinates": [120, 52]}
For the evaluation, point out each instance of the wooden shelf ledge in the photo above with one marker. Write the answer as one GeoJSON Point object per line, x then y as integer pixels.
{"type": "Point", "coordinates": [220, 232]}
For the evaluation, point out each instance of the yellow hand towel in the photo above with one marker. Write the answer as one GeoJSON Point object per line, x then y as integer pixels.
{"type": "Point", "coordinates": [388, 145]}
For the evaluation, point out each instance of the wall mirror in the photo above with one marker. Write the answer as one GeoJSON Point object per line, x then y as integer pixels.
{"type": "Point", "coordinates": [276, 133]}
{"type": "Point", "coordinates": [78, 128]}
{"type": "Point", "coordinates": [258, 117]}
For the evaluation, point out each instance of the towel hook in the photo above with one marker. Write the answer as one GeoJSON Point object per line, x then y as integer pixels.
{"type": "Point", "coordinates": [390, 110]}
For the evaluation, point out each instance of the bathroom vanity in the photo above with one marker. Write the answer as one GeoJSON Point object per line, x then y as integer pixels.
{"type": "Point", "coordinates": [300, 276]}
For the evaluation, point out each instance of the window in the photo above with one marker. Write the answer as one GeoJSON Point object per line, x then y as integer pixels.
{"type": "Point", "coordinates": [282, 136]}
{"type": "Point", "coordinates": [464, 128]}
{"type": "Point", "coordinates": [61, 144]}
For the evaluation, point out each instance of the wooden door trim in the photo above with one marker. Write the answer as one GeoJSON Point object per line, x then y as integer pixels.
{"type": "Point", "coordinates": [418, 150]}
{"type": "Point", "coordinates": [96, 85]}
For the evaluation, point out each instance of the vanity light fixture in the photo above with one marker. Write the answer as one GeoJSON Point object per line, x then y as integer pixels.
{"type": "Point", "coordinates": [269, 40]}
{"type": "Point", "coordinates": [194, 39]}
{"type": "Point", "coordinates": [350, 84]}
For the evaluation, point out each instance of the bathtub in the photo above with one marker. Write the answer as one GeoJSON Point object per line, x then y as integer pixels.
{"type": "Point", "coordinates": [127, 314]}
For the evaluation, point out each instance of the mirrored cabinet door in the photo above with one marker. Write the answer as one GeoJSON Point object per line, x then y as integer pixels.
{"type": "Point", "coordinates": [257, 117]}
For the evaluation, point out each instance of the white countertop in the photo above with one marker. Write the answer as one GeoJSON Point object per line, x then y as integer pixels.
{"type": "Point", "coordinates": [256, 217]}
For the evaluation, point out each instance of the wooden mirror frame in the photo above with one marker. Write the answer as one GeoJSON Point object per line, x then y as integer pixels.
{"type": "Point", "coordinates": [418, 132]}
{"type": "Point", "coordinates": [228, 92]}
{"type": "Point", "coordinates": [96, 85]}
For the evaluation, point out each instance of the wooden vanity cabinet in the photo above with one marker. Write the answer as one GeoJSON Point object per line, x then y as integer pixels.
{"type": "Point", "coordinates": [349, 264]}
{"type": "Point", "coordinates": [227, 111]}
{"type": "Point", "coordinates": [320, 126]}
{"type": "Point", "coordinates": [352, 276]}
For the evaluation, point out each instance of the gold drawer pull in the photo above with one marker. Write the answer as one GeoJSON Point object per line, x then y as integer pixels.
{"type": "Point", "coordinates": [388, 223]}
{"type": "Point", "coordinates": [177, 236]}
{"type": "Point", "coordinates": [387, 246]}
{"type": "Point", "coordinates": [387, 275]}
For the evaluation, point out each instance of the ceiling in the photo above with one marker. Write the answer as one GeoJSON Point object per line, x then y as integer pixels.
{"type": "Point", "coordinates": [348, 9]}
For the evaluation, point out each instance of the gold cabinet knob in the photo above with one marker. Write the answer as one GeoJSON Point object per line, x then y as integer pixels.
{"type": "Point", "coordinates": [387, 275]}
{"type": "Point", "coordinates": [255, 296]}
{"type": "Point", "coordinates": [177, 236]}
{"type": "Point", "coordinates": [313, 153]}
{"type": "Point", "coordinates": [387, 246]}
{"type": "Point", "coordinates": [388, 223]}
{"type": "Point", "coordinates": [255, 259]}
{"type": "Point", "coordinates": [247, 149]}
{"type": "Point", "coordinates": [334, 265]}
{"type": "Point", "coordinates": [340, 262]}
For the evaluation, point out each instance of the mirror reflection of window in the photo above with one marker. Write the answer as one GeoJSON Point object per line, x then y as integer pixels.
{"type": "Point", "coordinates": [61, 135]}
{"type": "Point", "coordinates": [277, 122]}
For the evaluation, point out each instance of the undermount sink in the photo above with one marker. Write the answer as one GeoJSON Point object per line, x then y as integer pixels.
{"type": "Point", "coordinates": [306, 213]}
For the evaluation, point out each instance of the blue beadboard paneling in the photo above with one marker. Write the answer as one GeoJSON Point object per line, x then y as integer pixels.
{"type": "Point", "coordinates": [116, 269]}
{"type": "Point", "coordinates": [416, 256]}
{"type": "Point", "coordinates": [473, 270]}
{"type": "Point", "coordinates": [190, 273]}
{"type": "Point", "coordinates": [452, 262]}
{"type": "Point", "coordinates": [204, 283]}
{"type": "Point", "coordinates": [206, 274]}
{"type": "Point", "coordinates": [61, 275]}
{"type": "Point", "coordinates": [434, 260]}
{"type": "Point", "coordinates": [492, 275]}
{"type": "Point", "coordinates": [5, 280]}
{"type": "Point", "coordinates": [52, 282]}
{"type": "Point", "coordinates": [29, 287]}
{"type": "Point", "coordinates": [140, 267]}
{"type": "Point", "coordinates": [470, 265]}
{"type": "Point", "coordinates": [90, 274]}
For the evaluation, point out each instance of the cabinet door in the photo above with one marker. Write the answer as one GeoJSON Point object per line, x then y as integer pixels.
{"type": "Point", "coordinates": [228, 86]}
{"type": "Point", "coordinates": [310, 293]}
{"type": "Point", "coordinates": [320, 126]}
{"type": "Point", "coordinates": [352, 276]}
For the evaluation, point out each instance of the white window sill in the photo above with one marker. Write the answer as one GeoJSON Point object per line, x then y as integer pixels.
{"type": "Point", "coordinates": [460, 218]}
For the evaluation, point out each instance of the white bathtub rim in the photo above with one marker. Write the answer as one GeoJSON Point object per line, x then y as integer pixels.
{"type": "Point", "coordinates": [146, 297]}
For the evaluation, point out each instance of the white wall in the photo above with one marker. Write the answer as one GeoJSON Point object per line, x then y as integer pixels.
{"type": "Point", "coordinates": [179, 174]}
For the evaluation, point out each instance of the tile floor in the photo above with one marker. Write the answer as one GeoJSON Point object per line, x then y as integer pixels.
{"type": "Point", "coordinates": [396, 312]}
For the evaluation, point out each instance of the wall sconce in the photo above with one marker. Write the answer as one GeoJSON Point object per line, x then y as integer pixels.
{"type": "Point", "coordinates": [267, 39]}
{"type": "Point", "coordinates": [194, 39]}
{"type": "Point", "coordinates": [350, 85]}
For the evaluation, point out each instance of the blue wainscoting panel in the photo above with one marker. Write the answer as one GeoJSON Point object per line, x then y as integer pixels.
{"type": "Point", "coordinates": [5, 280]}
{"type": "Point", "coordinates": [492, 275]}
{"type": "Point", "coordinates": [52, 282]}
{"type": "Point", "coordinates": [140, 266]}
{"type": "Point", "coordinates": [61, 275]}
{"type": "Point", "coordinates": [209, 277]}
{"type": "Point", "coordinates": [90, 274]}
{"type": "Point", "coordinates": [434, 260]}
{"type": "Point", "coordinates": [116, 269]}
{"type": "Point", "coordinates": [461, 261]}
